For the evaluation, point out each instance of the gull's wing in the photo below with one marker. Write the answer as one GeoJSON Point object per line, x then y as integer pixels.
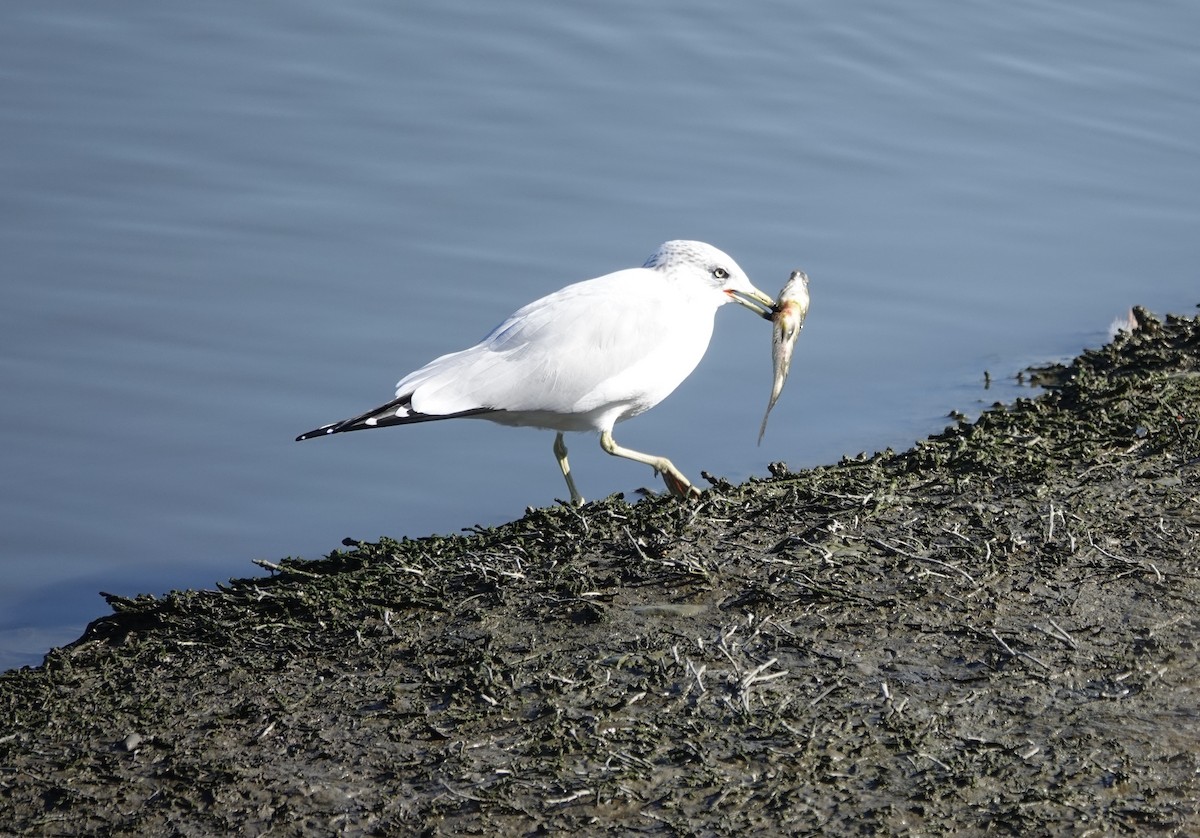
{"type": "Point", "coordinates": [581, 358]}
{"type": "Point", "coordinates": [624, 336]}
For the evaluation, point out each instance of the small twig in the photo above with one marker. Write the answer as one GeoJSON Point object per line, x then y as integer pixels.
{"type": "Point", "coordinates": [762, 679]}
{"type": "Point", "coordinates": [753, 674]}
{"type": "Point", "coordinates": [641, 553]}
{"type": "Point", "coordinates": [955, 532]}
{"type": "Point", "coordinates": [387, 621]}
{"type": "Point", "coordinates": [1064, 633]}
{"type": "Point", "coordinates": [461, 794]}
{"type": "Point", "coordinates": [723, 648]}
{"type": "Point", "coordinates": [1000, 640]}
{"type": "Point", "coordinates": [1057, 635]}
{"type": "Point", "coordinates": [1017, 654]}
{"type": "Point", "coordinates": [884, 545]}
{"type": "Point", "coordinates": [556, 801]}
{"type": "Point", "coordinates": [1123, 560]}
{"type": "Point", "coordinates": [821, 696]}
{"type": "Point", "coordinates": [934, 760]}
{"type": "Point", "coordinates": [574, 510]}
{"type": "Point", "coordinates": [278, 568]}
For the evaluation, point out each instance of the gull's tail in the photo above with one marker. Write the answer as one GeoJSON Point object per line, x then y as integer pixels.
{"type": "Point", "coordinates": [396, 412]}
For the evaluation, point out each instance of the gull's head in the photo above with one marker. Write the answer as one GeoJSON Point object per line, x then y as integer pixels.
{"type": "Point", "coordinates": [697, 262]}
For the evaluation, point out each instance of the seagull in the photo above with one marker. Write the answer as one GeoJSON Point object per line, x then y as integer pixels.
{"type": "Point", "coordinates": [583, 358]}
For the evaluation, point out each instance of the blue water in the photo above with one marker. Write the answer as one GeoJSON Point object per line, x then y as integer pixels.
{"type": "Point", "coordinates": [227, 223]}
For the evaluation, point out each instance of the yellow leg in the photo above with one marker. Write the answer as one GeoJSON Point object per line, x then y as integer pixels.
{"type": "Point", "coordinates": [673, 477]}
{"type": "Point", "coordinates": [560, 452]}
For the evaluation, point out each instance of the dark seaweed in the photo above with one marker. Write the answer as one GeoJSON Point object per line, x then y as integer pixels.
{"type": "Point", "coordinates": [994, 632]}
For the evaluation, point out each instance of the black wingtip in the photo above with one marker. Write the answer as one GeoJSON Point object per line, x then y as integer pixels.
{"type": "Point", "coordinates": [375, 419]}
{"type": "Point", "coordinates": [324, 430]}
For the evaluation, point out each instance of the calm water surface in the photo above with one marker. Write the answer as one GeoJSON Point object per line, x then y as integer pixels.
{"type": "Point", "coordinates": [224, 225]}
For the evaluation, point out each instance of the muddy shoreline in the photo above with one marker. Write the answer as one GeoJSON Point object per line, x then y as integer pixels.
{"type": "Point", "coordinates": [993, 632]}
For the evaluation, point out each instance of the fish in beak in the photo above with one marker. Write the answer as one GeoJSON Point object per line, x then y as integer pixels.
{"type": "Point", "coordinates": [787, 318]}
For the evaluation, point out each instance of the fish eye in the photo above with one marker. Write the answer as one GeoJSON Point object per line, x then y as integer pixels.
{"type": "Point", "coordinates": [720, 273]}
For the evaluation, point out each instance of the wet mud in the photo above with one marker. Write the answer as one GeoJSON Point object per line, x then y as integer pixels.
{"type": "Point", "coordinates": [994, 632]}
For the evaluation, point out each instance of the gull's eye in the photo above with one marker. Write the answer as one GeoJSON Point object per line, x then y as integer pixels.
{"type": "Point", "coordinates": [720, 273]}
